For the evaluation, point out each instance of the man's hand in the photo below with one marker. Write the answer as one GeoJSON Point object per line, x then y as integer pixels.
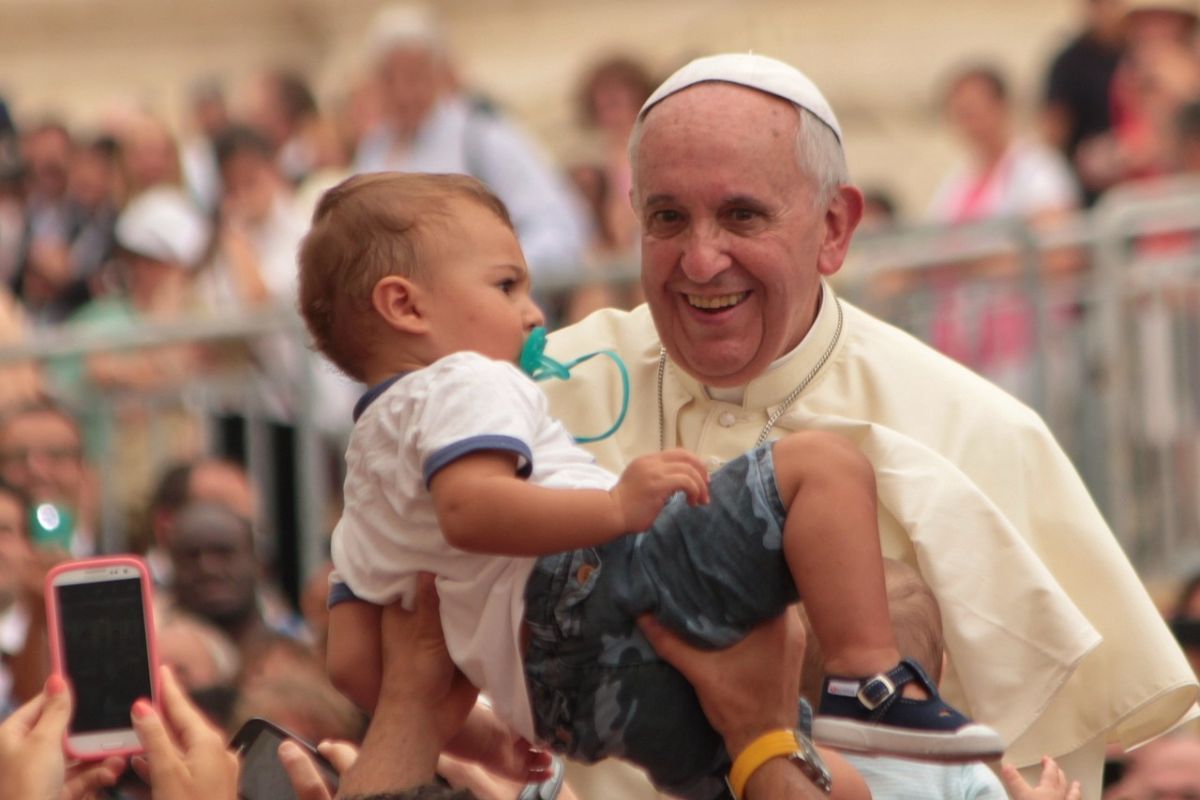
{"type": "Point", "coordinates": [186, 757]}
{"type": "Point", "coordinates": [1053, 784]}
{"type": "Point", "coordinates": [417, 669]}
{"type": "Point", "coordinates": [749, 689]}
{"type": "Point", "coordinates": [302, 772]}
{"type": "Point", "coordinates": [649, 481]}
{"type": "Point", "coordinates": [31, 756]}
{"type": "Point", "coordinates": [423, 700]}
{"type": "Point", "coordinates": [740, 697]}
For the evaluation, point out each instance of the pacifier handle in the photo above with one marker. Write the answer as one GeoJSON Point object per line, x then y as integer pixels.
{"type": "Point", "coordinates": [536, 364]}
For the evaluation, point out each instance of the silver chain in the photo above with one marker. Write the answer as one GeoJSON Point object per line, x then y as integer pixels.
{"type": "Point", "coordinates": [779, 411]}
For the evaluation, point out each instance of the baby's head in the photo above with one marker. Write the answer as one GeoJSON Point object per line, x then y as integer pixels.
{"type": "Point", "coordinates": [400, 269]}
{"type": "Point", "coordinates": [916, 623]}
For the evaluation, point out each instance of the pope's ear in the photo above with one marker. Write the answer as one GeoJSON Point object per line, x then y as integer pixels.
{"type": "Point", "coordinates": [842, 215]}
{"type": "Point", "coordinates": [397, 301]}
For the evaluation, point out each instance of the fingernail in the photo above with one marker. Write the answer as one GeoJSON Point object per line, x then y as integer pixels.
{"type": "Point", "coordinates": [55, 685]}
{"type": "Point", "coordinates": [287, 749]}
{"type": "Point", "coordinates": [142, 709]}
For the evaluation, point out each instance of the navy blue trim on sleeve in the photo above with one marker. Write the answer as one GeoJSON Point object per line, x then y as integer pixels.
{"type": "Point", "coordinates": [474, 444]}
{"type": "Point", "coordinates": [370, 395]}
{"type": "Point", "coordinates": [340, 593]}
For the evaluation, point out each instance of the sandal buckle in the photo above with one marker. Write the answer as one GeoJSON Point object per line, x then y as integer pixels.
{"type": "Point", "coordinates": [876, 691]}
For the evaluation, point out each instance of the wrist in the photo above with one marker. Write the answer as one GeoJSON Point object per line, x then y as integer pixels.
{"type": "Point", "coordinates": [616, 516]}
{"type": "Point", "coordinates": [749, 759]}
{"type": "Point", "coordinates": [785, 747]}
{"type": "Point", "coordinates": [738, 739]}
{"type": "Point", "coordinates": [779, 779]}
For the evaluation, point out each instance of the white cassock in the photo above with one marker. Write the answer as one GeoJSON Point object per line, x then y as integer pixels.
{"type": "Point", "coordinates": [1050, 635]}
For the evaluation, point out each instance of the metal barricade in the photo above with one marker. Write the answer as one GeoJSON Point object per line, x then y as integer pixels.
{"type": "Point", "coordinates": [1094, 321]}
{"type": "Point", "coordinates": [243, 390]}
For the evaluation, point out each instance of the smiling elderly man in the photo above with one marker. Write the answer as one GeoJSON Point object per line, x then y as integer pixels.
{"type": "Point", "coordinates": [740, 183]}
{"type": "Point", "coordinates": [741, 187]}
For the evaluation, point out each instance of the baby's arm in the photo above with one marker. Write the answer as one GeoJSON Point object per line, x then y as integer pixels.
{"type": "Point", "coordinates": [483, 506]}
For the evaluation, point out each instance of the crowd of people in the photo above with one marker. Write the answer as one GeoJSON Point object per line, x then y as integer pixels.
{"type": "Point", "coordinates": [728, 183]}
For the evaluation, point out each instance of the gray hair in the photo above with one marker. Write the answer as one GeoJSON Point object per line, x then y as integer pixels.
{"type": "Point", "coordinates": [819, 153]}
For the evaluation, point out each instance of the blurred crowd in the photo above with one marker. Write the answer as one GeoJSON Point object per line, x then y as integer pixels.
{"type": "Point", "coordinates": [233, 639]}
{"type": "Point", "coordinates": [130, 222]}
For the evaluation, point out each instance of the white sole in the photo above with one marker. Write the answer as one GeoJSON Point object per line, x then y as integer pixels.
{"type": "Point", "coordinates": [973, 742]}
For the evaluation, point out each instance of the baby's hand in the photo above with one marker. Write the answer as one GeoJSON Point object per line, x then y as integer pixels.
{"type": "Point", "coordinates": [1053, 785]}
{"type": "Point", "coordinates": [648, 482]}
{"type": "Point", "coordinates": [487, 741]}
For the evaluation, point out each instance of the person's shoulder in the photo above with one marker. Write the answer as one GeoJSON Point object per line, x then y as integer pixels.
{"type": "Point", "coordinates": [467, 368]}
{"type": "Point", "coordinates": [455, 383]}
{"type": "Point", "coordinates": [896, 358]}
{"type": "Point", "coordinates": [630, 333]}
{"type": "Point", "coordinates": [1031, 156]}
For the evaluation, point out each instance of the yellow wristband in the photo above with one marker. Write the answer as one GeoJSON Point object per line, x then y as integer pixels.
{"type": "Point", "coordinates": [760, 751]}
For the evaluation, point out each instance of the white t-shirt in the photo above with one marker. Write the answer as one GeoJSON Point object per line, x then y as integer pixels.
{"type": "Point", "coordinates": [901, 779]}
{"type": "Point", "coordinates": [388, 532]}
{"type": "Point", "coordinates": [1029, 178]}
{"type": "Point", "coordinates": [14, 627]}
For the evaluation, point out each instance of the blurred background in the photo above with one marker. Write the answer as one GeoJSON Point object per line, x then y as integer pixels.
{"type": "Point", "coordinates": [879, 62]}
{"type": "Point", "coordinates": [1033, 211]}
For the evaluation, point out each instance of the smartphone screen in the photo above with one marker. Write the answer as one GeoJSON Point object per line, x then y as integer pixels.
{"type": "Point", "coordinates": [103, 649]}
{"type": "Point", "coordinates": [262, 775]}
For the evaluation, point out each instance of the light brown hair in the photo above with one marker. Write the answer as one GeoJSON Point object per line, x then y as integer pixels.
{"type": "Point", "coordinates": [364, 229]}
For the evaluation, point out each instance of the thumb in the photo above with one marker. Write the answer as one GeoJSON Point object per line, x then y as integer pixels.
{"type": "Point", "coordinates": [305, 779]}
{"type": "Point", "coordinates": [56, 712]}
{"type": "Point", "coordinates": [341, 754]}
{"type": "Point", "coordinates": [161, 753]}
{"type": "Point", "coordinates": [662, 640]}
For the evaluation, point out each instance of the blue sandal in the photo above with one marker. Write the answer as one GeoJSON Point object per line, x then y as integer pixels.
{"type": "Point", "coordinates": [869, 715]}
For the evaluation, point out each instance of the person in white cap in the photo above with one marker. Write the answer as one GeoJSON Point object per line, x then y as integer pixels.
{"type": "Point", "coordinates": [434, 126]}
{"type": "Point", "coordinates": [741, 187]}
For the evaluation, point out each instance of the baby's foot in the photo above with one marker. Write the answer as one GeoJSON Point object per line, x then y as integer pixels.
{"type": "Point", "coordinates": [873, 715]}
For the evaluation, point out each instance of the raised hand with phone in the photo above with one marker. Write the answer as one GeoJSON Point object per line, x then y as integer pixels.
{"type": "Point", "coordinates": [32, 763]}
{"type": "Point", "coordinates": [185, 756]}
{"type": "Point", "coordinates": [102, 643]}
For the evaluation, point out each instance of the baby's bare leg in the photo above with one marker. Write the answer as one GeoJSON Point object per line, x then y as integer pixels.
{"type": "Point", "coordinates": [831, 541]}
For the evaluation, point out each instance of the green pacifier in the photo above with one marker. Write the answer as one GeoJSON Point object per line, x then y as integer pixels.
{"type": "Point", "coordinates": [536, 364]}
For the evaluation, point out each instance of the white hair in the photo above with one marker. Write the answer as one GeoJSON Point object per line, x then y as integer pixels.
{"type": "Point", "coordinates": [819, 153]}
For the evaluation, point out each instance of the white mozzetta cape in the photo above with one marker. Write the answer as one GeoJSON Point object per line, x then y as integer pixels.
{"type": "Point", "coordinates": [1051, 636]}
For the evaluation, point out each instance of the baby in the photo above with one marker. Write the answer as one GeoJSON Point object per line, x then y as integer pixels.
{"type": "Point", "coordinates": [416, 285]}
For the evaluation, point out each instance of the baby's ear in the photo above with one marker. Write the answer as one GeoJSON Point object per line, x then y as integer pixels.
{"type": "Point", "coordinates": [396, 300]}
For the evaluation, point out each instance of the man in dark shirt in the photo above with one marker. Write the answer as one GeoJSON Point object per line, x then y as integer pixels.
{"type": "Point", "coordinates": [1076, 104]}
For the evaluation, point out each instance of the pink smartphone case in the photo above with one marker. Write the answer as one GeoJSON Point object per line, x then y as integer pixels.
{"type": "Point", "coordinates": [56, 645]}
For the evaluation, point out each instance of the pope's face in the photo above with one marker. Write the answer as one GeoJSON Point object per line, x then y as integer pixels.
{"type": "Point", "coordinates": [734, 236]}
